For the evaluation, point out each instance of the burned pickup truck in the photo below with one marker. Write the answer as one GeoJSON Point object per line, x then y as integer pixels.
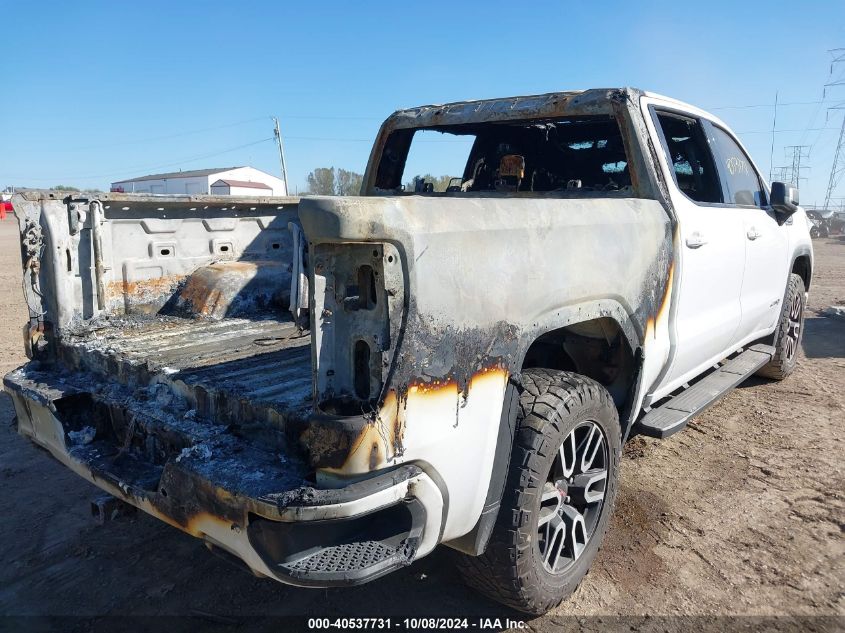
{"type": "Point", "coordinates": [325, 389]}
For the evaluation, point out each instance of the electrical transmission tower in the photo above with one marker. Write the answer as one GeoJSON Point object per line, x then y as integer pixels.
{"type": "Point", "coordinates": [838, 167]}
{"type": "Point", "coordinates": [799, 153]}
{"type": "Point", "coordinates": [838, 56]}
{"type": "Point", "coordinates": [781, 174]}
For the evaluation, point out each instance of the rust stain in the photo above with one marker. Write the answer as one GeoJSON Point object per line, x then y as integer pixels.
{"type": "Point", "coordinates": [159, 285]}
{"type": "Point", "coordinates": [229, 266]}
{"type": "Point", "coordinates": [212, 290]}
{"type": "Point", "coordinates": [662, 309]}
{"type": "Point", "coordinates": [195, 525]}
{"type": "Point", "coordinates": [327, 444]}
{"type": "Point", "coordinates": [145, 290]}
{"type": "Point", "coordinates": [434, 388]}
{"type": "Point", "coordinates": [198, 524]}
{"type": "Point", "coordinates": [366, 452]}
{"type": "Point", "coordinates": [202, 297]}
{"type": "Point", "coordinates": [667, 294]}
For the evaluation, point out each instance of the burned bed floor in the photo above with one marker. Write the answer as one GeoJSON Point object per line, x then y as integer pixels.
{"type": "Point", "coordinates": [232, 370]}
{"type": "Point", "coordinates": [173, 411]}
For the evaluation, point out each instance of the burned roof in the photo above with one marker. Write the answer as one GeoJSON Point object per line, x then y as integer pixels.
{"type": "Point", "coordinates": [242, 183]}
{"type": "Point", "coordinates": [182, 174]}
{"type": "Point", "coordinates": [551, 104]}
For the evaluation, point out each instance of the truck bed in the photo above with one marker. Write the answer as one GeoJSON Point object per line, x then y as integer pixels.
{"type": "Point", "coordinates": [164, 356]}
{"type": "Point", "coordinates": [169, 367]}
{"type": "Point", "coordinates": [232, 370]}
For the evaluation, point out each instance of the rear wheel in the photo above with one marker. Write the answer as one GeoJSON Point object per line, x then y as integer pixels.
{"type": "Point", "coordinates": [789, 332]}
{"type": "Point", "coordinates": [559, 494]}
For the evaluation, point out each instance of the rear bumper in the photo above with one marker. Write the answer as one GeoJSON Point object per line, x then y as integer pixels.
{"type": "Point", "coordinates": [247, 501]}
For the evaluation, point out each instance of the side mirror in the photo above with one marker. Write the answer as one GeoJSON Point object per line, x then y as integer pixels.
{"type": "Point", "coordinates": [784, 200]}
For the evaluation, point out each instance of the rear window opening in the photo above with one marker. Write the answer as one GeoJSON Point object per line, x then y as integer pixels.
{"type": "Point", "coordinates": [576, 155]}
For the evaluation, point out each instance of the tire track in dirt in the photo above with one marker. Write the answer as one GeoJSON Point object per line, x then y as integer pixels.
{"type": "Point", "coordinates": [742, 513]}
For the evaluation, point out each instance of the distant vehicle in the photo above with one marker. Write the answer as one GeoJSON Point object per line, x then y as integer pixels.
{"type": "Point", "coordinates": [819, 223]}
{"type": "Point", "coordinates": [5, 205]}
{"type": "Point", "coordinates": [457, 367]}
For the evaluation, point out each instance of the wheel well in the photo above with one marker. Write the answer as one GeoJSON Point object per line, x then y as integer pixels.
{"type": "Point", "coordinates": [801, 267]}
{"type": "Point", "coordinates": [597, 349]}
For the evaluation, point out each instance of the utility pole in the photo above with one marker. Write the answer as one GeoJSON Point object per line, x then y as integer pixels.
{"type": "Point", "coordinates": [772, 152]}
{"type": "Point", "coordinates": [278, 134]}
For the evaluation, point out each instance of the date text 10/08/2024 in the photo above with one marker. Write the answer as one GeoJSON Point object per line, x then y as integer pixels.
{"type": "Point", "coordinates": [411, 624]}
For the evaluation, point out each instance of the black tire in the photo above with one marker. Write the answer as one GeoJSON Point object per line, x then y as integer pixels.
{"type": "Point", "coordinates": [553, 405]}
{"type": "Point", "coordinates": [789, 332]}
{"type": "Point", "coordinates": [815, 233]}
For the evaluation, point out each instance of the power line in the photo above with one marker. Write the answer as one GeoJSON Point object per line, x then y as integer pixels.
{"type": "Point", "coordinates": [766, 105]}
{"type": "Point", "coordinates": [330, 117]}
{"type": "Point", "coordinates": [152, 139]}
{"type": "Point", "coordinates": [200, 156]}
{"type": "Point", "coordinates": [181, 161]}
{"type": "Point", "coordinates": [193, 158]}
{"type": "Point", "coordinates": [165, 137]}
{"type": "Point", "coordinates": [810, 125]}
{"type": "Point", "coordinates": [326, 138]}
{"type": "Point", "coordinates": [369, 140]}
{"type": "Point", "coordinates": [810, 129]}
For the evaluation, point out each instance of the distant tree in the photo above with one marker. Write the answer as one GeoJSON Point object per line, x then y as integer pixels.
{"type": "Point", "coordinates": [328, 181]}
{"type": "Point", "coordinates": [347, 183]}
{"type": "Point", "coordinates": [440, 182]}
{"type": "Point", "coordinates": [321, 181]}
{"type": "Point", "coordinates": [64, 188]}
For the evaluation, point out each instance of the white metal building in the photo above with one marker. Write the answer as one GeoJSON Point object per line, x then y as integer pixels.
{"type": "Point", "coordinates": [248, 181]}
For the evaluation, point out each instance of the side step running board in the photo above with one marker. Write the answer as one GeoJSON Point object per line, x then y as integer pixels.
{"type": "Point", "coordinates": [673, 416]}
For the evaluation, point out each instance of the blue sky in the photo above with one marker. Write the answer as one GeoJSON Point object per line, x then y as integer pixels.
{"type": "Point", "coordinates": [98, 91]}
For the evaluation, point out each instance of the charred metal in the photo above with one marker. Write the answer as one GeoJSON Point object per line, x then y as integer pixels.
{"type": "Point", "coordinates": [176, 365]}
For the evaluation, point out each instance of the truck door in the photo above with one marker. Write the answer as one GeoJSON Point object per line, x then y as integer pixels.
{"type": "Point", "coordinates": [711, 251]}
{"type": "Point", "coordinates": [767, 242]}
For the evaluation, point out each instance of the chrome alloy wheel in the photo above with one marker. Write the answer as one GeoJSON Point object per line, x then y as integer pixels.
{"type": "Point", "coordinates": [793, 329]}
{"type": "Point", "coordinates": [573, 497]}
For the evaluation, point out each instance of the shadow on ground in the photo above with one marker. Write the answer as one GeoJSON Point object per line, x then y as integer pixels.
{"type": "Point", "coordinates": [824, 337]}
{"type": "Point", "coordinates": [58, 562]}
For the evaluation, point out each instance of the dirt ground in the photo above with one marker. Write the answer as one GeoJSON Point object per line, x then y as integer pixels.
{"type": "Point", "coordinates": [740, 514]}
